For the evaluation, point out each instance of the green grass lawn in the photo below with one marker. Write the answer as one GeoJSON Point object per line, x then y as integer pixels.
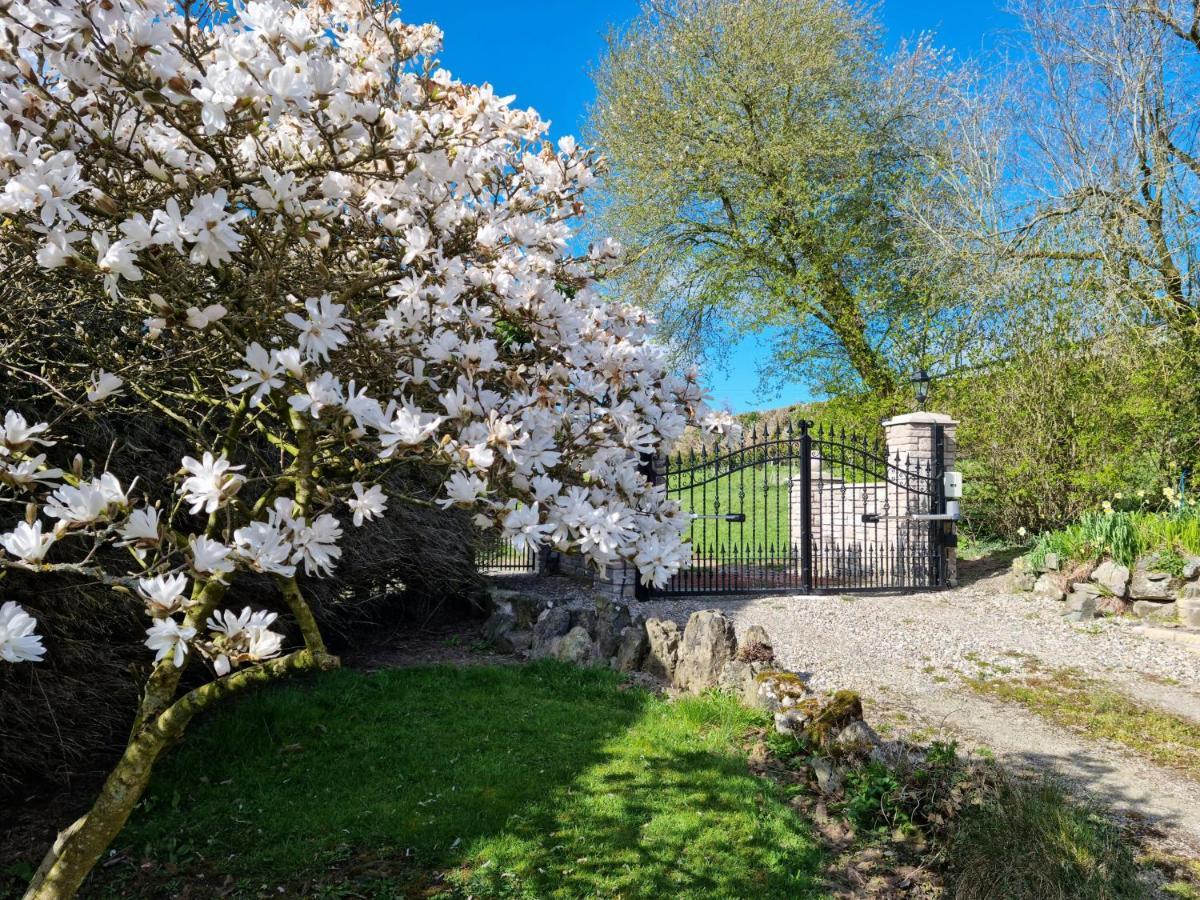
{"type": "Point", "coordinates": [539, 781]}
{"type": "Point", "coordinates": [761, 493]}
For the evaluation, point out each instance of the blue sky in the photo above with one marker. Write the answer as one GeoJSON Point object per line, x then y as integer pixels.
{"type": "Point", "coordinates": [549, 48]}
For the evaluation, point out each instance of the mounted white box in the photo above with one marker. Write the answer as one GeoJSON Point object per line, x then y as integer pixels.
{"type": "Point", "coordinates": [953, 485]}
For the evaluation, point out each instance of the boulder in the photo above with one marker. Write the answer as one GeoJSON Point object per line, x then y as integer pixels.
{"type": "Point", "coordinates": [516, 641]}
{"type": "Point", "coordinates": [1080, 607]}
{"type": "Point", "coordinates": [841, 710]}
{"type": "Point", "coordinates": [1112, 577]}
{"type": "Point", "coordinates": [1112, 606]}
{"type": "Point", "coordinates": [858, 737]}
{"type": "Point", "coordinates": [708, 643]}
{"type": "Point", "coordinates": [553, 623]}
{"type": "Point", "coordinates": [525, 607]}
{"type": "Point", "coordinates": [1147, 583]}
{"type": "Point", "coordinates": [792, 720]}
{"type": "Point", "coordinates": [499, 624]}
{"type": "Point", "coordinates": [1047, 587]}
{"type": "Point", "coordinates": [828, 775]}
{"type": "Point", "coordinates": [585, 619]}
{"type": "Point", "coordinates": [631, 651]}
{"type": "Point", "coordinates": [1022, 582]}
{"type": "Point", "coordinates": [780, 691]}
{"type": "Point", "coordinates": [740, 678]}
{"type": "Point", "coordinates": [1051, 563]}
{"type": "Point", "coordinates": [662, 650]}
{"type": "Point", "coordinates": [612, 618]}
{"type": "Point", "coordinates": [755, 645]}
{"type": "Point", "coordinates": [1150, 609]}
{"type": "Point", "coordinates": [577, 647]}
{"type": "Point", "coordinates": [1188, 609]}
{"type": "Point", "coordinates": [1191, 567]}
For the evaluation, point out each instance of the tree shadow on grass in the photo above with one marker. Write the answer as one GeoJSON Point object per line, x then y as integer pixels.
{"type": "Point", "coordinates": [536, 781]}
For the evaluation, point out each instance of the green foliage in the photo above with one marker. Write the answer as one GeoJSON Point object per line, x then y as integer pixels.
{"type": "Point", "coordinates": [872, 798]}
{"type": "Point", "coordinates": [760, 153]}
{"type": "Point", "coordinates": [1056, 430]}
{"type": "Point", "coordinates": [1125, 535]}
{"type": "Point", "coordinates": [920, 795]}
{"type": "Point", "coordinates": [1032, 841]}
{"type": "Point", "coordinates": [423, 782]}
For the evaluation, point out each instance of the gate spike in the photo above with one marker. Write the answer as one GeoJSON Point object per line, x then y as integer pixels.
{"type": "Point", "coordinates": [754, 432]}
{"type": "Point", "coordinates": [820, 431]}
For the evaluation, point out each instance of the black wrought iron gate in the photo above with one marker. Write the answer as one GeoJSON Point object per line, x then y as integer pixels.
{"type": "Point", "coordinates": [802, 511]}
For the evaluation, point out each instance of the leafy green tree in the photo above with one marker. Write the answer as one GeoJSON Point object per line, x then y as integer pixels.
{"type": "Point", "coordinates": [766, 158]}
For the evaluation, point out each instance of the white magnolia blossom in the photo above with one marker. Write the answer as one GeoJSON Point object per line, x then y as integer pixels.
{"type": "Point", "coordinates": [163, 593]}
{"type": "Point", "coordinates": [210, 557]}
{"type": "Point", "coordinates": [210, 482]}
{"type": "Point", "coordinates": [264, 548]}
{"type": "Point", "coordinates": [142, 526]}
{"type": "Point", "coordinates": [242, 637]}
{"type": "Point", "coordinates": [260, 375]}
{"type": "Point", "coordinates": [88, 502]}
{"type": "Point", "coordinates": [323, 330]}
{"type": "Point", "coordinates": [367, 504]}
{"type": "Point", "coordinates": [316, 544]}
{"type": "Point", "coordinates": [18, 434]}
{"type": "Point", "coordinates": [18, 640]}
{"type": "Point", "coordinates": [27, 542]}
{"type": "Point", "coordinates": [201, 318]}
{"type": "Point", "coordinates": [104, 385]}
{"type": "Point", "coordinates": [168, 639]}
{"type": "Point", "coordinates": [25, 470]}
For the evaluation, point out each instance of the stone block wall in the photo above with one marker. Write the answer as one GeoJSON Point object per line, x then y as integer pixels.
{"type": "Point", "coordinates": [911, 435]}
{"type": "Point", "coordinates": [845, 544]}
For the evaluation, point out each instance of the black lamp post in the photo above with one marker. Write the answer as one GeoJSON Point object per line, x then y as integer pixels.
{"type": "Point", "coordinates": [921, 380]}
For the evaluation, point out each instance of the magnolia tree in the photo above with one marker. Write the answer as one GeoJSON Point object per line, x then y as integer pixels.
{"type": "Point", "coordinates": [330, 259]}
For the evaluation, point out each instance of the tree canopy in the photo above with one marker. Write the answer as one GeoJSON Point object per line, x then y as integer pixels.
{"type": "Point", "coordinates": [763, 158]}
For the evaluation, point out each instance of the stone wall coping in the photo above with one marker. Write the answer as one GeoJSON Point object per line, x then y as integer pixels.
{"type": "Point", "coordinates": [920, 418]}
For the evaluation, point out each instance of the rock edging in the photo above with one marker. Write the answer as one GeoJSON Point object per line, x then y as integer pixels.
{"type": "Point", "coordinates": [1147, 590]}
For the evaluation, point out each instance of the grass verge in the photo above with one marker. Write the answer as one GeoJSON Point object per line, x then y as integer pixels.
{"type": "Point", "coordinates": [540, 781]}
{"type": "Point", "coordinates": [1067, 698]}
{"type": "Point", "coordinates": [1029, 840]}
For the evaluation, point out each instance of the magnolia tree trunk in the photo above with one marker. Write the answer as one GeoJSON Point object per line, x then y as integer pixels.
{"type": "Point", "coordinates": [161, 721]}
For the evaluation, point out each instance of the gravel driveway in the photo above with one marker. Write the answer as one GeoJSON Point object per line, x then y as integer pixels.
{"type": "Point", "coordinates": [906, 654]}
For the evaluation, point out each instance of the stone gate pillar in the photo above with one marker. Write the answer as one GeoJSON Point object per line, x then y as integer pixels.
{"type": "Point", "coordinates": [911, 436]}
